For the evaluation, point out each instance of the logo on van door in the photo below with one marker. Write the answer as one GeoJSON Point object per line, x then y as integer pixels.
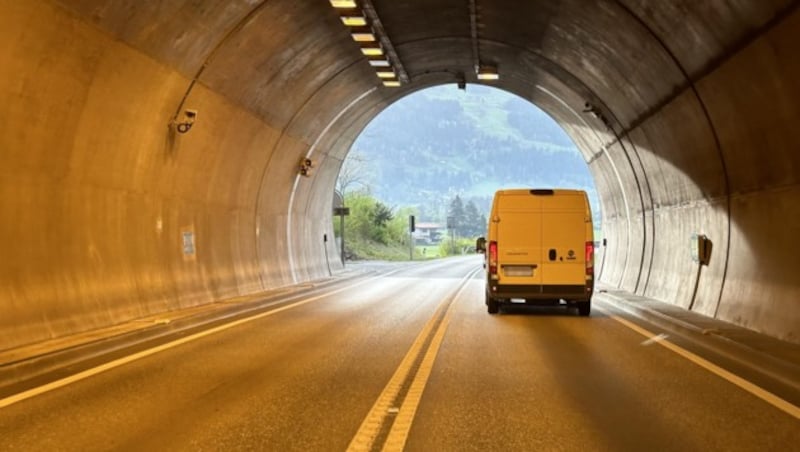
{"type": "Point", "coordinates": [571, 255]}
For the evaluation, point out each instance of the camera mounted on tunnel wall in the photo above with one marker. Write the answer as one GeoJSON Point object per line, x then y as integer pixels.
{"type": "Point", "coordinates": [189, 116]}
{"type": "Point", "coordinates": [305, 166]}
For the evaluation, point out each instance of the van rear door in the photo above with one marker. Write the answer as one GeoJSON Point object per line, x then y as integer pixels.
{"type": "Point", "coordinates": [519, 233]}
{"type": "Point", "coordinates": [563, 240]}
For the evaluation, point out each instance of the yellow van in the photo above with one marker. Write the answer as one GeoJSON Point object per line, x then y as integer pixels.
{"type": "Point", "coordinates": [540, 249]}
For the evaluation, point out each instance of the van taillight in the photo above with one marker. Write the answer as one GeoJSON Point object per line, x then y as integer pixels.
{"type": "Point", "coordinates": [493, 257]}
{"type": "Point", "coordinates": [589, 259]}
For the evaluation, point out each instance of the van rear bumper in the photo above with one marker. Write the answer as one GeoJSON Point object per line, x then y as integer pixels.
{"type": "Point", "coordinates": [541, 292]}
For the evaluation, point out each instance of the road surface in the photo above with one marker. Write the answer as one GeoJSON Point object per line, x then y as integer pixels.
{"type": "Point", "coordinates": [403, 360]}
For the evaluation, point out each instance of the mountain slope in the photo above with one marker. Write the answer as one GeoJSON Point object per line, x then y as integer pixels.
{"type": "Point", "coordinates": [442, 141]}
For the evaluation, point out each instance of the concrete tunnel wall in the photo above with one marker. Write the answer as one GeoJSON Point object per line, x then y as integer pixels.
{"type": "Point", "coordinates": [97, 191]}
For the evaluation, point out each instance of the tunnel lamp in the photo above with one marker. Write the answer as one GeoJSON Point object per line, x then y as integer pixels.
{"type": "Point", "coordinates": [371, 49]}
{"type": "Point", "coordinates": [486, 72]}
{"type": "Point", "coordinates": [362, 34]}
{"type": "Point", "coordinates": [391, 83]}
{"type": "Point", "coordinates": [343, 4]}
{"type": "Point", "coordinates": [379, 62]}
{"type": "Point", "coordinates": [386, 73]}
{"type": "Point", "coordinates": [354, 19]}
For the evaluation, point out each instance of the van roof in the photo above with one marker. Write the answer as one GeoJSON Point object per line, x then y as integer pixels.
{"type": "Point", "coordinates": [529, 191]}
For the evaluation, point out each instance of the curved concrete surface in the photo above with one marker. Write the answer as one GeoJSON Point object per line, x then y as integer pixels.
{"type": "Point", "coordinates": [100, 196]}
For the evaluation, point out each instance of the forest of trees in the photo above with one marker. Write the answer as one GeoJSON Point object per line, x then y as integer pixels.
{"type": "Point", "coordinates": [465, 220]}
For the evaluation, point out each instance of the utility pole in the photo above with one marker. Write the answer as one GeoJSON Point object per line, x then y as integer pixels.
{"type": "Point", "coordinates": [341, 211]}
{"type": "Point", "coordinates": [451, 227]}
{"type": "Point", "coordinates": [411, 229]}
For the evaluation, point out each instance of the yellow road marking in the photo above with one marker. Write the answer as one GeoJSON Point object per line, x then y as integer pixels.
{"type": "Point", "coordinates": [752, 388]}
{"type": "Point", "coordinates": [402, 423]}
{"type": "Point", "coordinates": [152, 351]}
{"type": "Point", "coordinates": [370, 428]}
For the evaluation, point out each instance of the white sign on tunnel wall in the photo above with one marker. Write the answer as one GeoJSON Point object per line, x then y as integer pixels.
{"type": "Point", "coordinates": [187, 237]}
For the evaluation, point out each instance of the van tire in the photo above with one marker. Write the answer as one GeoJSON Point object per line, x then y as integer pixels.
{"type": "Point", "coordinates": [493, 306]}
{"type": "Point", "coordinates": [584, 308]}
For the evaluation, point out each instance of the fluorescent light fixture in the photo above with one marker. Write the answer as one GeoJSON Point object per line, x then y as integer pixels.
{"type": "Point", "coordinates": [486, 72]}
{"type": "Point", "coordinates": [362, 34]}
{"type": "Point", "coordinates": [354, 20]}
{"type": "Point", "coordinates": [363, 37]}
{"type": "Point", "coordinates": [371, 49]}
{"type": "Point", "coordinates": [391, 83]}
{"type": "Point", "coordinates": [343, 3]}
{"type": "Point", "coordinates": [379, 62]}
{"type": "Point", "coordinates": [386, 73]}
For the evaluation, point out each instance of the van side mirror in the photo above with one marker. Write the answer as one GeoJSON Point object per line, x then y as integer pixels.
{"type": "Point", "coordinates": [480, 245]}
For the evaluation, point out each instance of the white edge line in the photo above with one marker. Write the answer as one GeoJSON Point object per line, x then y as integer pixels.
{"type": "Point", "coordinates": [152, 351]}
{"type": "Point", "coordinates": [752, 388]}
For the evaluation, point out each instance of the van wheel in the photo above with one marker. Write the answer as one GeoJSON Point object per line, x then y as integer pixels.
{"type": "Point", "coordinates": [492, 305]}
{"type": "Point", "coordinates": [584, 308]}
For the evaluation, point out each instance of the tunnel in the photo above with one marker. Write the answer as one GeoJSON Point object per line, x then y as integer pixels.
{"type": "Point", "coordinates": [151, 152]}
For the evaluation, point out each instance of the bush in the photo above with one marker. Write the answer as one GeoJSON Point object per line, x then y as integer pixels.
{"type": "Point", "coordinates": [457, 247]}
{"type": "Point", "coordinates": [373, 230]}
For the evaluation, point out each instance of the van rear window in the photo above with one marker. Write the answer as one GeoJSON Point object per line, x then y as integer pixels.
{"type": "Point", "coordinates": [542, 192]}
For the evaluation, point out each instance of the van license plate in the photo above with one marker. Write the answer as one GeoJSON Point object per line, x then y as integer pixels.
{"type": "Point", "coordinates": [518, 270]}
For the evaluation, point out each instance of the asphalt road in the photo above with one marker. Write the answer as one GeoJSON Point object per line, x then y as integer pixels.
{"type": "Point", "coordinates": [408, 360]}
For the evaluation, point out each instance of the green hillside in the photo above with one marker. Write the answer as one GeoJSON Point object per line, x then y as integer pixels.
{"type": "Point", "coordinates": [434, 144]}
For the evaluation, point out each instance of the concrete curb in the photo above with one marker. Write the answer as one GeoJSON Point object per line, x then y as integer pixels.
{"type": "Point", "coordinates": [759, 361]}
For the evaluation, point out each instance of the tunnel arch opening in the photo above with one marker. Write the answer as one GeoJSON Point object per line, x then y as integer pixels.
{"type": "Point", "coordinates": [440, 142]}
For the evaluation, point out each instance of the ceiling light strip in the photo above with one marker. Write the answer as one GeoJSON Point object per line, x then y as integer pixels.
{"type": "Point", "coordinates": [379, 61]}
{"type": "Point", "coordinates": [377, 26]}
{"type": "Point", "coordinates": [363, 34]}
{"type": "Point", "coordinates": [353, 17]}
{"type": "Point", "coordinates": [344, 4]}
{"type": "Point", "coordinates": [372, 49]}
{"type": "Point", "coordinates": [473, 25]}
{"type": "Point", "coordinates": [484, 71]}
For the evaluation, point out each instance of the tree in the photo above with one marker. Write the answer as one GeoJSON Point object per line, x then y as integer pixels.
{"type": "Point", "coordinates": [475, 223]}
{"type": "Point", "coordinates": [381, 214]}
{"type": "Point", "coordinates": [456, 215]}
{"type": "Point", "coordinates": [355, 171]}
{"type": "Point", "coordinates": [360, 222]}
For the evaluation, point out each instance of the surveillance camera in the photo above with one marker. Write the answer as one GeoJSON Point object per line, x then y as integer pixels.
{"type": "Point", "coordinates": [189, 116]}
{"type": "Point", "coordinates": [308, 163]}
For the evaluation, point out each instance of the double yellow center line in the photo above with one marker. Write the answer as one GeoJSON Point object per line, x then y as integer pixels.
{"type": "Point", "coordinates": [388, 422]}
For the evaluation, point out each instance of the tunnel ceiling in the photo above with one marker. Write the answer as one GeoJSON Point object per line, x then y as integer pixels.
{"type": "Point", "coordinates": [622, 56]}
